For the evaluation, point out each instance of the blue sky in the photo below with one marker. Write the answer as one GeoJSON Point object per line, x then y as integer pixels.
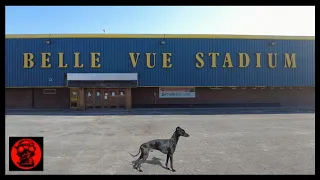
{"type": "Point", "coordinates": [161, 20]}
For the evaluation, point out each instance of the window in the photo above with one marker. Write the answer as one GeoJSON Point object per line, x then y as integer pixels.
{"type": "Point", "coordinates": [121, 92]}
{"type": "Point", "coordinates": [74, 95]}
{"type": "Point", "coordinates": [49, 91]}
{"type": "Point", "coordinates": [113, 93]}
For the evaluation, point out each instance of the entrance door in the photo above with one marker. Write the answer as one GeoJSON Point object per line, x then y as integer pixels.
{"type": "Point", "coordinates": [105, 98]}
{"type": "Point", "coordinates": [122, 98]}
{"type": "Point", "coordinates": [89, 98]}
{"type": "Point", "coordinates": [97, 98]}
{"type": "Point", "coordinates": [74, 98]}
{"type": "Point", "coordinates": [93, 98]}
{"type": "Point", "coordinates": [116, 98]}
{"type": "Point", "coordinates": [113, 100]}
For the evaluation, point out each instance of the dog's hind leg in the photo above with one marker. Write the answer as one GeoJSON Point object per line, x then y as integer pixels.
{"type": "Point", "coordinates": [135, 163]}
{"type": "Point", "coordinates": [144, 154]}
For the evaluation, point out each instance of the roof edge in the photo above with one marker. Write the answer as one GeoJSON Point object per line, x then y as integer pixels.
{"type": "Point", "coordinates": [179, 36]}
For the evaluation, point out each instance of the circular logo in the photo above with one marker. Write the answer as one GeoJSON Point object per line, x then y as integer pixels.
{"type": "Point", "coordinates": [26, 154]}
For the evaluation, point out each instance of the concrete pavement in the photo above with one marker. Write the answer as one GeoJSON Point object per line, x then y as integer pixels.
{"type": "Point", "coordinates": [240, 143]}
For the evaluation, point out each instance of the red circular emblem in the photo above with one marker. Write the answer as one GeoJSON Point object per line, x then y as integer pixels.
{"type": "Point", "coordinates": [26, 154]}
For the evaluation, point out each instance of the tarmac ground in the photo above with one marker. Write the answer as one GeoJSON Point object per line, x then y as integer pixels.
{"type": "Point", "coordinates": [234, 142]}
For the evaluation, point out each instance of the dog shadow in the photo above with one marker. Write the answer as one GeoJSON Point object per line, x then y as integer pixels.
{"type": "Point", "coordinates": [155, 161]}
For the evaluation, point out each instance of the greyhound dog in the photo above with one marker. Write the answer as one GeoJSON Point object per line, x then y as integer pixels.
{"type": "Point", "coordinates": [166, 146]}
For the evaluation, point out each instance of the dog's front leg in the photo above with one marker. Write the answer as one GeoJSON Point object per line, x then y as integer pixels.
{"type": "Point", "coordinates": [167, 161]}
{"type": "Point", "coordinates": [171, 159]}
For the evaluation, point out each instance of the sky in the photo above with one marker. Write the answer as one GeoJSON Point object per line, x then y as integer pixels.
{"type": "Point", "coordinates": [272, 20]}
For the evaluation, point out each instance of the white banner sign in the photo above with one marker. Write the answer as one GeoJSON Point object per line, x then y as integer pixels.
{"type": "Point", "coordinates": [177, 92]}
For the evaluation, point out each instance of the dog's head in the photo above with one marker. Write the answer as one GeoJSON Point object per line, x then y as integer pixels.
{"type": "Point", "coordinates": [181, 132]}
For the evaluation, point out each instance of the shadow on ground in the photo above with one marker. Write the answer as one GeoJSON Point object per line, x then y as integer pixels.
{"type": "Point", "coordinates": [155, 161]}
{"type": "Point", "coordinates": [163, 111]}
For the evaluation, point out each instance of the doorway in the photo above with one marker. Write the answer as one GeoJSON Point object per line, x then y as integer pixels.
{"type": "Point", "coordinates": [93, 98]}
{"type": "Point", "coordinates": [105, 98]}
{"type": "Point", "coordinates": [74, 97]}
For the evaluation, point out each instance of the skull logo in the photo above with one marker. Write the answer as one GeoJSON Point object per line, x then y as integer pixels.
{"type": "Point", "coordinates": [25, 151]}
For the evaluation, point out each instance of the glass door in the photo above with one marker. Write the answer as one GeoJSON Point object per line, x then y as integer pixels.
{"type": "Point", "coordinates": [74, 98]}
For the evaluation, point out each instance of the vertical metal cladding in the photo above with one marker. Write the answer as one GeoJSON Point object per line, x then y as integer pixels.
{"type": "Point", "coordinates": [114, 58]}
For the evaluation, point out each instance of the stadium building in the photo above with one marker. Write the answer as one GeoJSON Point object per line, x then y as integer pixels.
{"type": "Point", "coordinates": [83, 71]}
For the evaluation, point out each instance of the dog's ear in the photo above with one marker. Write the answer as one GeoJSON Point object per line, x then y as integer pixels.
{"type": "Point", "coordinates": [178, 128]}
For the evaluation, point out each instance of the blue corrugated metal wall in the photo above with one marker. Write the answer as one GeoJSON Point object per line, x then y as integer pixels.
{"type": "Point", "coordinates": [115, 59]}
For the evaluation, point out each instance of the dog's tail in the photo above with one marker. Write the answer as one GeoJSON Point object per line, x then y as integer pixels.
{"type": "Point", "coordinates": [136, 154]}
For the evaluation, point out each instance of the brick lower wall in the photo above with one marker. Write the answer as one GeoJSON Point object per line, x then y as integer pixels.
{"type": "Point", "coordinates": [34, 98]}
{"type": "Point", "coordinates": [283, 97]}
{"type": "Point", "coordinates": [60, 100]}
{"type": "Point", "coordinates": [18, 98]}
{"type": "Point", "coordinates": [26, 98]}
